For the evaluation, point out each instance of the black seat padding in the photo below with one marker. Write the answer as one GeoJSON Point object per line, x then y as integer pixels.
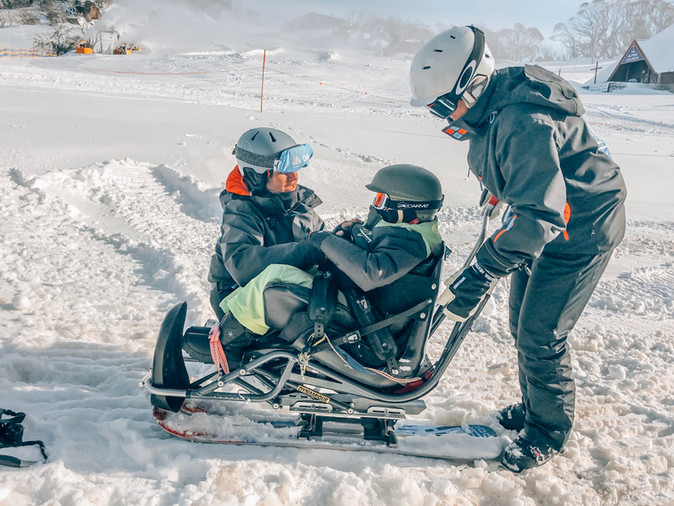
{"type": "Point", "coordinates": [287, 309]}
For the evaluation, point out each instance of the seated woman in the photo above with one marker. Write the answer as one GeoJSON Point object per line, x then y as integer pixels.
{"type": "Point", "coordinates": [373, 263]}
{"type": "Point", "coordinates": [267, 215]}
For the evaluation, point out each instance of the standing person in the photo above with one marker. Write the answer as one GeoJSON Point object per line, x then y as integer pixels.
{"type": "Point", "coordinates": [267, 216]}
{"type": "Point", "coordinates": [529, 147]}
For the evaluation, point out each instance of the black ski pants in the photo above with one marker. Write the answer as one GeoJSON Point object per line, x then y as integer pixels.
{"type": "Point", "coordinates": [545, 304]}
{"type": "Point", "coordinates": [218, 293]}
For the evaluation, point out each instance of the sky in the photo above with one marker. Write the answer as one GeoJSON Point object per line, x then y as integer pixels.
{"type": "Point", "coordinates": [492, 14]}
{"type": "Point", "coordinates": [222, 24]}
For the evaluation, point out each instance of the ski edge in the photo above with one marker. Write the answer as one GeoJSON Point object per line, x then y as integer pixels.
{"type": "Point", "coordinates": [207, 438]}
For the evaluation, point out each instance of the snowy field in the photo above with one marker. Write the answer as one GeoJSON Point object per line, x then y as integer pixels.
{"type": "Point", "coordinates": [110, 168]}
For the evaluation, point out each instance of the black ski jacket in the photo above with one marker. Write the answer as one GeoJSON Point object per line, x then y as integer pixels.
{"type": "Point", "coordinates": [384, 253]}
{"type": "Point", "coordinates": [387, 261]}
{"type": "Point", "coordinates": [260, 230]}
{"type": "Point", "coordinates": [530, 147]}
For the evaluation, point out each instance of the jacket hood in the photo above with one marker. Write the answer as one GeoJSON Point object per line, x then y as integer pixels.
{"type": "Point", "coordinates": [235, 183]}
{"type": "Point", "coordinates": [530, 84]}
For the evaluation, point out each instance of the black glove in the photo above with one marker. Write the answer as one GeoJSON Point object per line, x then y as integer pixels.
{"type": "Point", "coordinates": [468, 287]}
{"type": "Point", "coordinates": [343, 230]}
{"type": "Point", "coordinates": [312, 249]}
{"type": "Point", "coordinates": [317, 238]}
{"type": "Point", "coordinates": [361, 235]}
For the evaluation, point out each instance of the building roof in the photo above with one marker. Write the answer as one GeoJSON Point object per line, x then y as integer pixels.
{"type": "Point", "coordinates": [659, 50]}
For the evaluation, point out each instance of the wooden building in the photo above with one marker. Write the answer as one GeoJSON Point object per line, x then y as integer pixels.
{"type": "Point", "coordinates": [648, 61]}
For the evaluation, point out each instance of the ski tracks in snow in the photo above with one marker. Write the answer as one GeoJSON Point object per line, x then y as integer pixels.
{"type": "Point", "coordinates": [151, 214]}
{"type": "Point", "coordinates": [78, 239]}
{"type": "Point", "coordinates": [93, 258]}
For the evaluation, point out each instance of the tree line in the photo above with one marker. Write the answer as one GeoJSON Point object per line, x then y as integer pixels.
{"type": "Point", "coordinates": [52, 4]}
{"type": "Point", "coordinates": [69, 18]}
{"type": "Point", "coordinates": [600, 29]}
{"type": "Point", "coordinates": [604, 29]}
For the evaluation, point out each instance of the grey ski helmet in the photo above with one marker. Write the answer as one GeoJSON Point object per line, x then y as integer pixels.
{"type": "Point", "coordinates": [406, 192]}
{"type": "Point", "coordinates": [258, 148]}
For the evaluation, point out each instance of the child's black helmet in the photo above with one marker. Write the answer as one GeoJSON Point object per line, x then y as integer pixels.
{"type": "Point", "coordinates": [413, 193]}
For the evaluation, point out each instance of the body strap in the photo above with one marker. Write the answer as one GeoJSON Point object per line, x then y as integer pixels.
{"type": "Point", "coordinates": [322, 303]}
{"type": "Point", "coordinates": [354, 336]}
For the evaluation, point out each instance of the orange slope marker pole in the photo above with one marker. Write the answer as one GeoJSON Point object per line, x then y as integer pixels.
{"type": "Point", "coordinates": [264, 62]}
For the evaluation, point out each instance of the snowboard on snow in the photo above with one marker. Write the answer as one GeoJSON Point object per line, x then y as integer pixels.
{"type": "Point", "coordinates": [204, 424]}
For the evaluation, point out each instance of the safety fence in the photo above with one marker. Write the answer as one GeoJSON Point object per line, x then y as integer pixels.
{"type": "Point", "coordinates": [580, 72]}
{"type": "Point", "coordinates": [255, 70]}
{"type": "Point", "coordinates": [6, 52]}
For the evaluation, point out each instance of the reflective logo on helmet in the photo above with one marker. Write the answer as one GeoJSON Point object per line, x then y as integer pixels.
{"type": "Point", "coordinates": [465, 77]}
{"type": "Point", "coordinates": [414, 205]}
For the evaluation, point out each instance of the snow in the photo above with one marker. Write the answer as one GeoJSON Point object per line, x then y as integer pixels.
{"type": "Point", "coordinates": [22, 36]}
{"type": "Point", "coordinates": [110, 168]}
{"type": "Point", "coordinates": [658, 50]}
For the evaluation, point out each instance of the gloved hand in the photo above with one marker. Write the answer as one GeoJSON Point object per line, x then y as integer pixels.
{"type": "Point", "coordinates": [317, 238]}
{"type": "Point", "coordinates": [361, 235]}
{"type": "Point", "coordinates": [343, 230]}
{"type": "Point", "coordinates": [466, 289]}
{"type": "Point", "coordinates": [491, 206]}
{"type": "Point", "coordinates": [312, 247]}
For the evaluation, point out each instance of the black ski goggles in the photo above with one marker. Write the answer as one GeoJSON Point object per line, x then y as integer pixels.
{"type": "Point", "coordinates": [401, 211]}
{"type": "Point", "coordinates": [384, 201]}
{"type": "Point", "coordinates": [442, 107]}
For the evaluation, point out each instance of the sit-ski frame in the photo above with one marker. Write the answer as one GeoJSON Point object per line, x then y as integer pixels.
{"type": "Point", "coordinates": [353, 400]}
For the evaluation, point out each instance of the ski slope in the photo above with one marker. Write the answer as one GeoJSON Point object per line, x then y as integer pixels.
{"type": "Point", "coordinates": [110, 168]}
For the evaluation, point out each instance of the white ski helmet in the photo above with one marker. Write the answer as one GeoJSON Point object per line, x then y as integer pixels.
{"type": "Point", "coordinates": [453, 65]}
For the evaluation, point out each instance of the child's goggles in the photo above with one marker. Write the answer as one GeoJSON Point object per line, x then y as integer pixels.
{"type": "Point", "coordinates": [382, 202]}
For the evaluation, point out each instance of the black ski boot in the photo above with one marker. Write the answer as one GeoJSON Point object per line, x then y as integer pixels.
{"type": "Point", "coordinates": [525, 453]}
{"type": "Point", "coordinates": [197, 345]}
{"type": "Point", "coordinates": [512, 417]}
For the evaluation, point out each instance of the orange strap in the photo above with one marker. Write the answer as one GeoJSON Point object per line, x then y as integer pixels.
{"type": "Point", "coordinates": [567, 217]}
{"type": "Point", "coordinates": [217, 353]}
